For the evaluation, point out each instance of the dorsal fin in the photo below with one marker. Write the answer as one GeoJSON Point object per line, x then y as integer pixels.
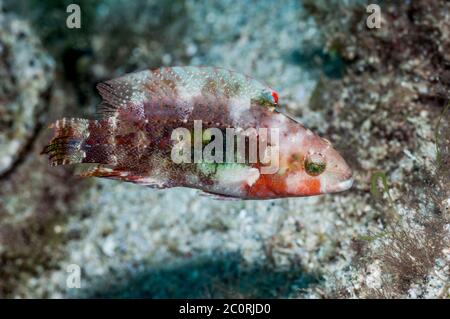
{"type": "Point", "coordinates": [170, 84]}
{"type": "Point", "coordinates": [122, 92]}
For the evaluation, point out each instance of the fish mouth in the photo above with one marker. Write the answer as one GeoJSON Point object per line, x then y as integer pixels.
{"type": "Point", "coordinates": [340, 185]}
{"type": "Point", "coordinates": [345, 185]}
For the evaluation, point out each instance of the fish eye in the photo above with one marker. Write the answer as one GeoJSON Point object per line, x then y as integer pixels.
{"type": "Point", "coordinates": [315, 164]}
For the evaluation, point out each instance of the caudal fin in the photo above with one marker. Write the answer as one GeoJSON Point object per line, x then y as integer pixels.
{"type": "Point", "coordinates": [66, 147]}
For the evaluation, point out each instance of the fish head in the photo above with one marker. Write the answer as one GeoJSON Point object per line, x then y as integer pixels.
{"type": "Point", "coordinates": [315, 167]}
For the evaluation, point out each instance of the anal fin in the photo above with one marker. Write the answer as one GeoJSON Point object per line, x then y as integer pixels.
{"type": "Point", "coordinates": [105, 171]}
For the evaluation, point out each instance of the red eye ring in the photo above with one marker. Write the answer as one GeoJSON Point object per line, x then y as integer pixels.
{"type": "Point", "coordinates": [275, 96]}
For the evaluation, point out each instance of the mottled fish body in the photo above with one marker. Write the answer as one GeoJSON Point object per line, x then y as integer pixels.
{"type": "Point", "coordinates": [133, 138]}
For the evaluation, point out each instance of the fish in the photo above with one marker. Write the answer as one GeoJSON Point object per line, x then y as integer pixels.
{"type": "Point", "coordinates": [143, 134]}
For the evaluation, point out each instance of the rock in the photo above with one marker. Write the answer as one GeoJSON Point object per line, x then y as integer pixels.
{"type": "Point", "coordinates": [26, 73]}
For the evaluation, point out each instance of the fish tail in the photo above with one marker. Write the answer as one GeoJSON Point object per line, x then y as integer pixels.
{"type": "Point", "coordinates": [79, 140]}
{"type": "Point", "coordinates": [66, 147]}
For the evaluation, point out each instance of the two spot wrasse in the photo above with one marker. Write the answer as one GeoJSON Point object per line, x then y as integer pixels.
{"type": "Point", "coordinates": [131, 138]}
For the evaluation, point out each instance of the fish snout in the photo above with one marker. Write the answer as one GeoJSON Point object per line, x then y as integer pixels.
{"type": "Point", "coordinates": [339, 182]}
{"type": "Point", "coordinates": [338, 176]}
{"type": "Point", "coordinates": [344, 184]}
